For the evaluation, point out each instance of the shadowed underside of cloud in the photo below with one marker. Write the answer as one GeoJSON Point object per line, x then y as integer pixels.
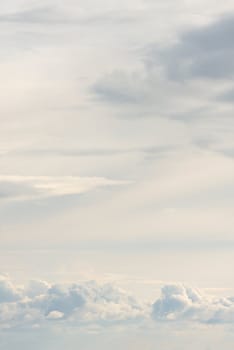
{"type": "Point", "coordinates": [205, 52]}
{"type": "Point", "coordinates": [119, 87]}
{"type": "Point", "coordinates": [170, 73]}
{"type": "Point", "coordinates": [81, 304]}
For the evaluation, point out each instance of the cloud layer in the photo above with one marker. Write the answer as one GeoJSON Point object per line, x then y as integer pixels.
{"type": "Point", "coordinates": [40, 303]}
{"type": "Point", "coordinates": [34, 187]}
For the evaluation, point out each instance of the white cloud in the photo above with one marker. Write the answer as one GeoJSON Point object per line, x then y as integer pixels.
{"type": "Point", "coordinates": [34, 187]}
{"type": "Point", "coordinates": [55, 315]}
{"type": "Point", "coordinates": [91, 303]}
{"type": "Point", "coordinates": [8, 291]}
{"type": "Point", "coordinates": [181, 303]}
{"type": "Point", "coordinates": [84, 303]}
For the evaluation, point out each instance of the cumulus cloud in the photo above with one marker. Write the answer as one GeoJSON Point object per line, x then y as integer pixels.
{"type": "Point", "coordinates": [8, 291]}
{"type": "Point", "coordinates": [40, 302]}
{"type": "Point", "coordinates": [92, 303]}
{"type": "Point", "coordinates": [182, 303]}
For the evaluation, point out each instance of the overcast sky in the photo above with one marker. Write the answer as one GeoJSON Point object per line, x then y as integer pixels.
{"type": "Point", "coordinates": [116, 174]}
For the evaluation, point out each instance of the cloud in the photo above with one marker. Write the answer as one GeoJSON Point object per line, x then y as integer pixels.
{"type": "Point", "coordinates": [89, 152]}
{"type": "Point", "coordinates": [120, 87]}
{"type": "Point", "coordinates": [55, 315]}
{"type": "Point", "coordinates": [92, 303]}
{"type": "Point", "coordinates": [35, 15]}
{"type": "Point", "coordinates": [8, 291]}
{"type": "Point", "coordinates": [146, 93]}
{"type": "Point", "coordinates": [58, 299]}
{"type": "Point", "coordinates": [181, 303]}
{"type": "Point", "coordinates": [178, 80]}
{"type": "Point", "coordinates": [35, 187]}
{"type": "Point", "coordinates": [227, 96]}
{"type": "Point", "coordinates": [55, 14]}
{"type": "Point", "coordinates": [205, 52]}
{"type": "Point", "coordinates": [79, 304]}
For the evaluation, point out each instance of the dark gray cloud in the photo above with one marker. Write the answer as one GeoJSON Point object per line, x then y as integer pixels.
{"type": "Point", "coordinates": [167, 82]}
{"type": "Point", "coordinates": [204, 52]}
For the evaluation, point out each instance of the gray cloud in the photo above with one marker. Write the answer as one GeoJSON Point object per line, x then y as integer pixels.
{"type": "Point", "coordinates": [10, 189]}
{"type": "Point", "coordinates": [204, 52]}
{"type": "Point", "coordinates": [34, 15]}
{"type": "Point", "coordinates": [121, 88]}
{"type": "Point", "coordinates": [227, 96]}
{"type": "Point", "coordinates": [56, 15]}
{"type": "Point", "coordinates": [144, 90]}
{"type": "Point", "coordinates": [168, 83]}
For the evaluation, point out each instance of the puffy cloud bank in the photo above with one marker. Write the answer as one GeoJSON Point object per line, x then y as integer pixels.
{"type": "Point", "coordinates": [181, 303]}
{"type": "Point", "coordinates": [40, 303]}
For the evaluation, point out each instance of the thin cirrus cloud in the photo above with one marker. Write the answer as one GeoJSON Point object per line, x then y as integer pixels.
{"type": "Point", "coordinates": [60, 15]}
{"type": "Point", "coordinates": [14, 187]}
{"type": "Point", "coordinates": [34, 15]}
{"type": "Point", "coordinates": [89, 152]}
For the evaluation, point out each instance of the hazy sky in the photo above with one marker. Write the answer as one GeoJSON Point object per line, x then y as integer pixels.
{"type": "Point", "coordinates": [116, 181]}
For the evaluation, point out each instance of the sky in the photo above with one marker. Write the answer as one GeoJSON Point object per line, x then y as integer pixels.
{"type": "Point", "coordinates": [116, 174]}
